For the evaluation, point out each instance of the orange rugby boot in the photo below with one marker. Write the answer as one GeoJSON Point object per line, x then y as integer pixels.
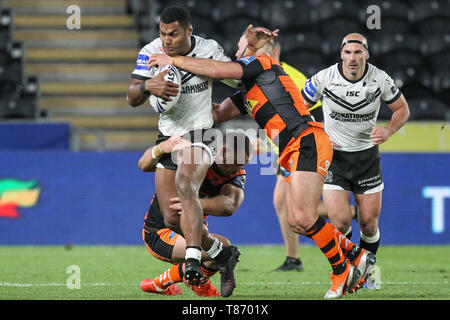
{"type": "Point", "coordinates": [340, 283]}
{"type": "Point", "coordinates": [148, 285]}
{"type": "Point", "coordinates": [205, 289]}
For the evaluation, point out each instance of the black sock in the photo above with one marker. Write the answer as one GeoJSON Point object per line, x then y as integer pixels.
{"type": "Point", "coordinates": [372, 247]}
{"type": "Point", "coordinates": [370, 243]}
{"type": "Point", "coordinates": [353, 253]}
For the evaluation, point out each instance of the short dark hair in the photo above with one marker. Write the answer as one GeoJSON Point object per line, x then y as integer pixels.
{"type": "Point", "coordinates": [176, 13]}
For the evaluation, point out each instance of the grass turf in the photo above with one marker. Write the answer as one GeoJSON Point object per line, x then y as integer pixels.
{"type": "Point", "coordinates": [114, 272]}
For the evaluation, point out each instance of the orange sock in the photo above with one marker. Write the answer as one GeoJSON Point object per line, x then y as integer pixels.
{"type": "Point", "coordinates": [323, 234]}
{"type": "Point", "coordinates": [345, 243]}
{"type": "Point", "coordinates": [208, 272]}
{"type": "Point", "coordinates": [172, 275]}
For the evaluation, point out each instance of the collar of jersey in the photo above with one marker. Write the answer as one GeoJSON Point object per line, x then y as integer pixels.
{"type": "Point", "coordinates": [192, 46]}
{"type": "Point", "coordinates": [341, 72]}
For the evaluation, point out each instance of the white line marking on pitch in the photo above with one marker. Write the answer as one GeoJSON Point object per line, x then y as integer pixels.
{"type": "Point", "coordinates": [51, 284]}
{"type": "Point", "coordinates": [100, 284]}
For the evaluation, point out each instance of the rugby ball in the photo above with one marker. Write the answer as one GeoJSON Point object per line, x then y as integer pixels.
{"type": "Point", "coordinates": [161, 105]}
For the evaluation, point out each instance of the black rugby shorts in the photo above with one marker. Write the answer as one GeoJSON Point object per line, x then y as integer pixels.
{"type": "Point", "coordinates": [359, 171]}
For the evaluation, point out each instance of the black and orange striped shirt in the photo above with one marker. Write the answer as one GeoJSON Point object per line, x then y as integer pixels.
{"type": "Point", "coordinates": [271, 97]}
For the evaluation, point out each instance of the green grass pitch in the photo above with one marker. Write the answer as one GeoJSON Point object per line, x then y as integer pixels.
{"type": "Point", "coordinates": [114, 272]}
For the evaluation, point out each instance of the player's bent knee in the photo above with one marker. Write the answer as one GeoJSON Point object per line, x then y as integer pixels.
{"type": "Point", "coordinates": [342, 226]}
{"type": "Point", "coordinates": [369, 228]}
{"type": "Point", "coordinates": [297, 226]}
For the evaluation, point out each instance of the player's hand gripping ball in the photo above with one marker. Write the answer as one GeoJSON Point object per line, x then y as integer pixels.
{"type": "Point", "coordinates": [161, 105]}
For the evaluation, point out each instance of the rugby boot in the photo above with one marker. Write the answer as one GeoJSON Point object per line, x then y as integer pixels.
{"type": "Point", "coordinates": [226, 268]}
{"type": "Point", "coordinates": [291, 264]}
{"type": "Point", "coordinates": [340, 283]}
{"type": "Point", "coordinates": [148, 285]}
{"type": "Point", "coordinates": [364, 263]}
{"type": "Point", "coordinates": [205, 289]}
{"type": "Point", "coordinates": [193, 273]}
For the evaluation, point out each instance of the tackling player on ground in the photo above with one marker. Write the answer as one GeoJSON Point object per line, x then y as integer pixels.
{"type": "Point", "coordinates": [221, 194]}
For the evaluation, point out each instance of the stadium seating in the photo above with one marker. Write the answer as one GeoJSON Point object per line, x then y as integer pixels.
{"type": "Point", "coordinates": [431, 16]}
{"type": "Point", "coordinates": [337, 19]}
{"type": "Point", "coordinates": [301, 41]}
{"type": "Point", "coordinates": [307, 62]}
{"type": "Point", "coordinates": [202, 8]}
{"type": "Point", "coordinates": [231, 9]}
{"type": "Point", "coordinates": [12, 63]}
{"type": "Point", "coordinates": [401, 50]}
{"type": "Point", "coordinates": [20, 100]}
{"type": "Point", "coordinates": [289, 15]}
{"type": "Point", "coordinates": [303, 51]}
{"type": "Point", "coordinates": [428, 108]}
{"type": "Point", "coordinates": [19, 94]}
{"type": "Point", "coordinates": [234, 27]}
{"type": "Point", "coordinates": [395, 15]}
{"type": "Point", "coordinates": [204, 26]}
{"type": "Point", "coordinates": [6, 27]}
{"type": "Point", "coordinates": [83, 75]}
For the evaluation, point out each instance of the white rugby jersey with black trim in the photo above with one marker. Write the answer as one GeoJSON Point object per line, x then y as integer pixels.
{"type": "Point", "coordinates": [350, 108]}
{"type": "Point", "coordinates": [193, 108]}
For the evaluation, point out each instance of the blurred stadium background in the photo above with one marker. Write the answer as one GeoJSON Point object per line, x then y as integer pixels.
{"type": "Point", "coordinates": [69, 143]}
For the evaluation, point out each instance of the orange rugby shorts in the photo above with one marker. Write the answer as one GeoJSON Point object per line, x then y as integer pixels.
{"type": "Point", "coordinates": [310, 151]}
{"type": "Point", "coordinates": [160, 243]}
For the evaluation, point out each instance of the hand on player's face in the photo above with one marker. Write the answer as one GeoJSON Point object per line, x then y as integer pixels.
{"type": "Point", "coordinates": [258, 36]}
{"type": "Point", "coordinates": [160, 87]}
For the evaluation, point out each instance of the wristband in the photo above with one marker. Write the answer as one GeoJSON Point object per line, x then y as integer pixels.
{"type": "Point", "coordinates": [143, 90]}
{"type": "Point", "coordinates": [160, 152]}
{"type": "Point", "coordinates": [153, 153]}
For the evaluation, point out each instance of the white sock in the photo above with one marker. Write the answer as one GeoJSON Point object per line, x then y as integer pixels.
{"type": "Point", "coordinates": [215, 249]}
{"type": "Point", "coordinates": [193, 253]}
{"type": "Point", "coordinates": [371, 239]}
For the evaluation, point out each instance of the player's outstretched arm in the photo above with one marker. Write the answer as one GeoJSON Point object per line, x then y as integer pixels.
{"type": "Point", "coordinates": [199, 66]}
{"type": "Point", "coordinates": [222, 205]}
{"type": "Point", "coordinates": [149, 159]}
{"type": "Point", "coordinates": [226, 203]}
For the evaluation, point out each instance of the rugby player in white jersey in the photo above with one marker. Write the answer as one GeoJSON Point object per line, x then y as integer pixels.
{"type": "Point", "coordinates": [190, 117]}
{"type": "Point", "coordinates": [351, 92]}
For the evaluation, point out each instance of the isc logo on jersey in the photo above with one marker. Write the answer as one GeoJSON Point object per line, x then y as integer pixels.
{"type": "Point", "coordinates": [161, 105]}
